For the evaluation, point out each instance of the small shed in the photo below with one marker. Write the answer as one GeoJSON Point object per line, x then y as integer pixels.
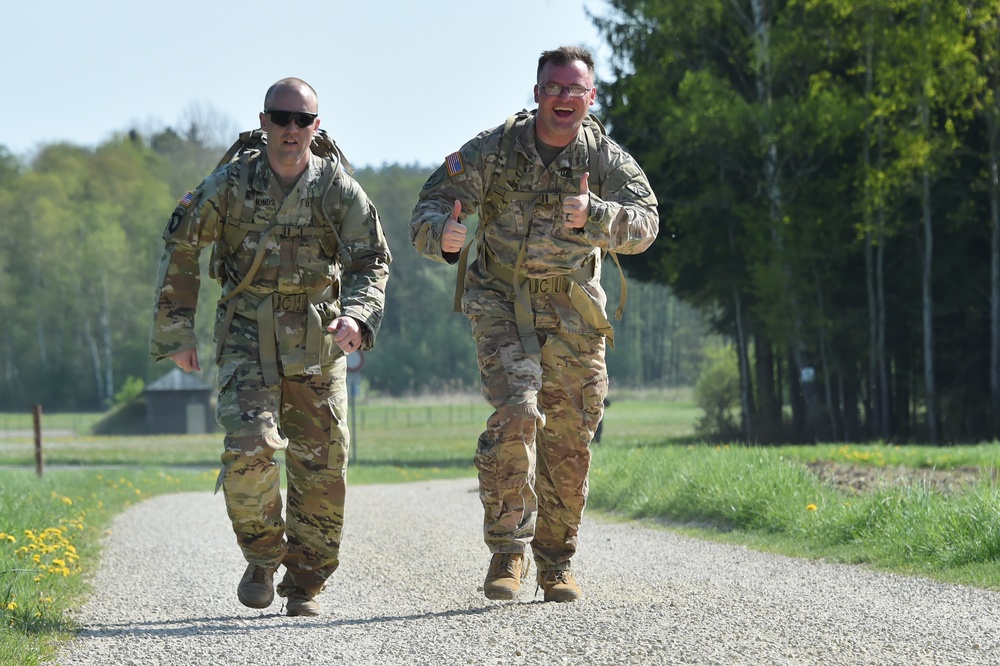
{"type": "Point", "coordinates": [179, 402]}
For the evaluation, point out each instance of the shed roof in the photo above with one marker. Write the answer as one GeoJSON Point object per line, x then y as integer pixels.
{"type": "Point", "coordinates": [178, 380]}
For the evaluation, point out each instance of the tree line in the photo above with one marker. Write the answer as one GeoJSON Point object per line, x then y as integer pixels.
{"type": "Point", "coordinates": [83, 233]}
{"type": "Point", "coordinates": [829, 187]}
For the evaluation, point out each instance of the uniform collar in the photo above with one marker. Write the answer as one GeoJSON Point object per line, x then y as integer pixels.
{"type": "Point", "coordinates": [573, 155]}
{"type": "Point", "coordinates": [263, 175]}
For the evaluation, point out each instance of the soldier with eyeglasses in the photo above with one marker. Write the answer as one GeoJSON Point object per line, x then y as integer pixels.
{"type": "Point", "coordinates": [303, 262]}
{"type": "Point", "coordinates": [553, 194]}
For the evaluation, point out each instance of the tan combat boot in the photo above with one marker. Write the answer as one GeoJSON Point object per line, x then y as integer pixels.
{"type": "Point", "coordinates": [256, 588]}
{"type": "Point", "coordinates": [300, 603]}
{"type": "Point", "coordinates": [504, 577]}
{"type": "Point", "coordinates": [559, 585]}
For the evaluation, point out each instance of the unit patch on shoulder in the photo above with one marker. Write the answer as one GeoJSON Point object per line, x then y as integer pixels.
{"type": "Point", "coordinates": [454, 164]}
{"type": "Point", "coordinates": [639, 190]}
{"type": "Point", "coordinates": [186, 199]}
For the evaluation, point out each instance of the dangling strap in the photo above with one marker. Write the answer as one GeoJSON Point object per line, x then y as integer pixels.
{"type": "Point", "coordinates": [524, 314]}
{"type": "Point", "coordinates": [314, 340]}
{"type": "Point", "coordinates": [463, 263]}
{"type": "Point", "coordinates": [266, 342]}
{"type": "Point", "coordinates": [624, 288]}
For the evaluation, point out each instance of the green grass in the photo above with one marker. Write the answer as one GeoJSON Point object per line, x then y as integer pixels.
{"type": "Point", "coordinates": [79, 422]}
{"type": "Point", "coordinates": [647, 467]}
{"type": "Point", "coordinates": [50, 531]}
{"type": "Point", "coordinates": [765, 498]}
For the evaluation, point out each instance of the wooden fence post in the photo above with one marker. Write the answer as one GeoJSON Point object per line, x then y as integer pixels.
{"type": "Point", "coordinates": [39, 464]}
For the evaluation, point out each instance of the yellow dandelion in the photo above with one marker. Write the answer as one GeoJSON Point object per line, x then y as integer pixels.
{"type": "Point", "coordinates": [67, 500]}
{"type": "Point", "coordinates": [11, 605]}
{"type": "Point", "coordinates": [811, 507]}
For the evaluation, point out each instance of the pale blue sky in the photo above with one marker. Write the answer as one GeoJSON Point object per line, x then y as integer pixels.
{"type": "Point", "coordinates": [400, 81]}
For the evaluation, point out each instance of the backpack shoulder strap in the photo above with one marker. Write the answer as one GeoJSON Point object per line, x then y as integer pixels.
{"type": "Point", "coordinates": [324, 146]}
{"type": "Point", "coordinates": [591, 128]}
{"type": "Point", "coordinates": [498, 187]}
{"type": "Point", "coordinates": [504, 169]}
{"type": "Point", "coordinates": [329, 206]}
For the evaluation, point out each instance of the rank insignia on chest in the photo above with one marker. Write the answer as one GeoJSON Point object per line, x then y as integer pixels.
{"type": "Point", "coordinates": [453, 163]}
{"type": "Point", "coordinates": [186, 199]}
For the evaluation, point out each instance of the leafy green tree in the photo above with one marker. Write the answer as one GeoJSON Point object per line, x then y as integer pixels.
{"type": "Point", "coordinates": [794, 146]}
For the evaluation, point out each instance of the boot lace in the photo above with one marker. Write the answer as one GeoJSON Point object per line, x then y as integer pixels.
{"type": "Point", "coordinates": [557, 577]}
{"type": "Point", "coordinates": [505, 564]}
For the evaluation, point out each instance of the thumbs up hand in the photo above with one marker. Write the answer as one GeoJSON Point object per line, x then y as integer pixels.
{"type": "Point", "coordinates": [576, 209]}
{"type": "Point", "coordinates": [453, 234]}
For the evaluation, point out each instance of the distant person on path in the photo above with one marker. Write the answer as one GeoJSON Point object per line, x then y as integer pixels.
{"type": "Point", "coordinates": [553, 193]}
{"type": "Point", "coordinates": [303, 263]}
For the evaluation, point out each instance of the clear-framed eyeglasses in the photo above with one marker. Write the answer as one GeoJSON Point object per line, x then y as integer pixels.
{"type": "Point", "coordinates": [554, 90]}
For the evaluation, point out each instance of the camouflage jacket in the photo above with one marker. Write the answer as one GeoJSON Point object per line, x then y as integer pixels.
{"type": "Point", "coordinates": [341, 270]}
{"type": "Point", "coordinates": [623, 218]}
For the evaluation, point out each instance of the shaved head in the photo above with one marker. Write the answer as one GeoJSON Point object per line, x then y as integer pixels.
{"type": "Point", "coordinates": [304, 88]}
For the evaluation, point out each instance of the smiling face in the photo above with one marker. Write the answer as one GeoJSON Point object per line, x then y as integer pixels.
{"type": "Point", "coordinates": [560, 116]}
{"type": "Point", "coordinates": [288, 146]}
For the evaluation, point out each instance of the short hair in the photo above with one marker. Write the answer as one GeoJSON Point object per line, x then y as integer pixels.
{"type": "Point", "coordinates": [289, 82]}
{"type": "Point", "coordinates": [565, 55]}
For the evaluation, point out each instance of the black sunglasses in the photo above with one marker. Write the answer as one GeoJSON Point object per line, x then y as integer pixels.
{"type": "Point", "coordinates": [282, 118]}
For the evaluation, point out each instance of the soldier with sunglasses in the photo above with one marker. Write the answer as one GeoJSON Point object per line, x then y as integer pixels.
{"type": "Point", "coordinates": [553, 194]}
{"type": "Point", "coordinates": [303, 262]}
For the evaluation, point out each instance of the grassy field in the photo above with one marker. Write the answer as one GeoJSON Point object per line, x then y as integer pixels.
{"type": "Point", "coordinates": [647, 467]}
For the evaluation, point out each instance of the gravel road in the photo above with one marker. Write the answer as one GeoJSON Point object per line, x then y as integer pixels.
{"type": "Point", "coordinates": [407, 592]}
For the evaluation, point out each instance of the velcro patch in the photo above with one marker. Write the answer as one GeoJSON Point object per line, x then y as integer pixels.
{"type": "Point", "coordinates": [454, 165]}
{"type": "Point", "coordinates": [639, 190]}
{"type": "Point", "coordinates": [186, 199]}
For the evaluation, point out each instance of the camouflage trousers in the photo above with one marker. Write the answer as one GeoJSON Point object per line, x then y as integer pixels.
{"type": "Point", "coordinates": [534, 456]}
{"type": "Point", "coordinates": [306, 416]}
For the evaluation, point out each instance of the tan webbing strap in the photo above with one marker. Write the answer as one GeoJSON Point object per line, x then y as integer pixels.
{"type": "Point", "coordinates": [224, 331]}
{"type": "Point", "coordinates": [463, 263]}
{"type": "Point", "coordinates": [524, 314]}
{"type": "Point", "coordinates": [314, 340]}
{"type": "Point", "coordinates": [266, 342]}
{"type": "Point", "coordinates": [624, 288]}
{"type": "Point", "coordinates": [592, 160]}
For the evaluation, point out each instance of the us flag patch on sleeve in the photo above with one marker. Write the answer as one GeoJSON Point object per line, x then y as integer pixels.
{"type": "Point", "coordinates": [454, 164]}
{"type": "Point", "coordinates": [186, 199]}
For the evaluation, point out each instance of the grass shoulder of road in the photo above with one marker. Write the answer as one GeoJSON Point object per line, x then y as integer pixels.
{"type": "Point", "coordinates": [768, 499]}
{"type": "Point", "coordinates": [648, 467]}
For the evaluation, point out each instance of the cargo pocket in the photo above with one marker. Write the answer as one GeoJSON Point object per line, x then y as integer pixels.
{"type": "Point", "coordinates": [594, 392]}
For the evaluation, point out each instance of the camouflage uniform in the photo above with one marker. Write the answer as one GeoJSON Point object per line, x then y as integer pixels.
{"type": "Point", "coordinates": [282, 377]}
{"type": "Point", "coordinates": [534, 457]}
